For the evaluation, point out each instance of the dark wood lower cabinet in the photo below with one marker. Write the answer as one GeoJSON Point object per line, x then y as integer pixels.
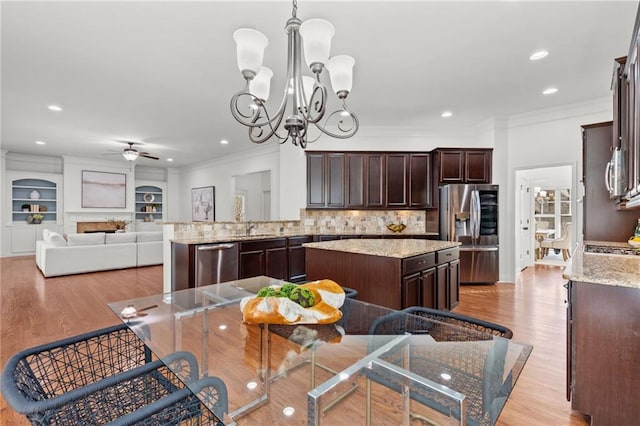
{"type": "Point", "coordinates": [296, 258]}
{"type": "Point", "coordinates": [454, 284]}
{"type": "Point", "coordinates": [392, 282]}
{"type": "Point", "coordinates": [603, 353]}
{"type": "Point", "coordinates": [419, 289]}
{"type": "Point", "coordinates": [264, 257]}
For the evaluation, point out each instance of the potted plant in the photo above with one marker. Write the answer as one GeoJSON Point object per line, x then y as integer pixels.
{"type": "Point", "coordinates": [35, 218]}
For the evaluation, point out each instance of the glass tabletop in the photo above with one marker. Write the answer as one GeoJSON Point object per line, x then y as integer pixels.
{"type": "Point", "coordinates": [373, 366]}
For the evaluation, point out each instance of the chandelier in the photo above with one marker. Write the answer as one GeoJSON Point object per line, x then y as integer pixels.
{"type": "Point", "coordinates": [307, 95]}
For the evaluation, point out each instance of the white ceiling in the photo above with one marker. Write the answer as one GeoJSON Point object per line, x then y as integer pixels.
{"type": "Point", "coordinates": [163, 72]}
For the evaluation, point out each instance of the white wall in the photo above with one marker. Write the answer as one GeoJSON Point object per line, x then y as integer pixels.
{"type": "Point", "coordinates": [541, 139]}
{"type": "Point", "coordinates": [219, 173]}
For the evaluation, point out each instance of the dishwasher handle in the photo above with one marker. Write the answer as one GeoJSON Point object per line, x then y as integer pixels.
{"type": "Point", "coordinates": [215, 247]}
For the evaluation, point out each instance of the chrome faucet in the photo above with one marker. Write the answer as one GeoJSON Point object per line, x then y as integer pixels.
{"type": "Point", "coordinates": [249, 226]}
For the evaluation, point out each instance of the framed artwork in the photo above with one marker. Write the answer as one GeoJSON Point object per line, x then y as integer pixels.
{"type": "Point", "coordinates": [104, 190]}
{"type": "Point", "coordinates": [203, 204]}
{"type": "Point", "coordinates": [238, 208]}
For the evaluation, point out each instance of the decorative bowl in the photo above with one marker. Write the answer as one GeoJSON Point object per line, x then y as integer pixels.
{"type": "Point", "coordinates": [633, 243]}
{"type": "Point", "coordinates": [396, 227]}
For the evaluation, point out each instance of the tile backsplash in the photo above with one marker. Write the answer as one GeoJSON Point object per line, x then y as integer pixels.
{"type": "Point", "coordinates": [319, 222]}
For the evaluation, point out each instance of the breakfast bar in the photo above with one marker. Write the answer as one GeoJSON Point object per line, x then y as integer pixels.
{"type": "Point", "coordinates": [392, 273]}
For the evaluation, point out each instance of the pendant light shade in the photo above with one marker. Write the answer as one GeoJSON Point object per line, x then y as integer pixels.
{"type": "Point", "coordinates": [316, 38]}
{"type": "Point", "coordinates": [250, 48]}
{"type": "Point", "coordinates": [341, 72]}
{"type": "Point", "coordinates": [261, 84]}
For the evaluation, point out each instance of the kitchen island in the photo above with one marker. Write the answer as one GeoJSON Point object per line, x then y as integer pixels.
{"type": "Point", "coordinates": [394, 273]}
{"type": "Point", "coordinates": [603, 332]}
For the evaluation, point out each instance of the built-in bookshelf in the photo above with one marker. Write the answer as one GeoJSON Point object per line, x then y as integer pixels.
{"type": "Point", "coordinates": [149, 203]}
{"type": "Point", "coordinates": [34, 196]}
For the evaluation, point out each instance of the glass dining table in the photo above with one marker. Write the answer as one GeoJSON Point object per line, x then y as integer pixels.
{"type": "Point", "coordinates": [359, 370]}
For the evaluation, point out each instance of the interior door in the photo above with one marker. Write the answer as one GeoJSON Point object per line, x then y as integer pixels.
{"type": "Point", "coordinates": [525, 226]}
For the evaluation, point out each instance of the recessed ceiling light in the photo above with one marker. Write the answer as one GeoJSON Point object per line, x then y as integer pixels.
{"type": "Point", "coordinates": [224, 142]}
{"type": "Point", "coordinates": [535, 56]}
{"type": "Point", "coordinates": [446, 114]}
{"type": "Point", "coordinates": [54, 108]}
{"type": "Point", "coordinates": [549, 91]}
{"type": "Point", "coordinates": [169, 159]}
{"type": "Point", "coordinates": [40, 143]}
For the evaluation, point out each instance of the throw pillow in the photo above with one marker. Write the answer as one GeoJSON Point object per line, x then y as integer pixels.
{"type": "Point", "coordinates": [55, 239]}
{"type": "Point", "coordinates": [85, 239]}
{"type": "Point", "coordinates": [121, 238]}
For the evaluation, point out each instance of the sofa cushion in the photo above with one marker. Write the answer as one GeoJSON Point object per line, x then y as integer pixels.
{"type": "Point", "coordinates": [53, 238]}
{"type": "Point", "coordinates": [149, 236]}
{"type": "Point", "coordinates": [120, 238]}
{"type": "Point", "coordinates": [85, 239]}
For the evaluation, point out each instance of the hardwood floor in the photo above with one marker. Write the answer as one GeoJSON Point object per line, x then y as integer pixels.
{"type": "Point", "coordinates": [36, 310]}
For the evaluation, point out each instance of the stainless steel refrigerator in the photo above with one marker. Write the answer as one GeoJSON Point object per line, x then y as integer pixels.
{"type": "Point", "coordinates": [469, 214]}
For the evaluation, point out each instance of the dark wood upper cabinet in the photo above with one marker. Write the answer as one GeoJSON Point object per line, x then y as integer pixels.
{"type": "Point", "coordinates": [420, 180]}
{"type": "Point", "coordinates": [315, 180]}
{"type": "Point", "coordinates": [355, 186]}
{"type": "Point", "coordinates": [389, 180]}
{"type": "Point", "coordinates": [451, 166]}
{"type": "Point", "coordinates": [375, 182]}
{"type": "Point", "coordinates": [396, 177]}
{"type": "Point", "coordinates": [477, 166]}
{"type": "Point", "coordinates": [335, 180]}
{"type": "Point", "coordinates": [469, 165]}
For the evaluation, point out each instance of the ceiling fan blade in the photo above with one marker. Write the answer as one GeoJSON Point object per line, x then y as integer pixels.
{"type": "Point", "coordinates": [147, 155]}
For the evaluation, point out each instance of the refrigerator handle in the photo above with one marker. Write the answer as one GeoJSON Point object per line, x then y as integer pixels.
{"type": "Point", "coordinates": [475, 214]}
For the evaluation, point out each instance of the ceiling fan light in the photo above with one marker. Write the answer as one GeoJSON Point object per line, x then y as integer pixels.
{"type": "Point", "coordinates": [130, 154]}
{"type": "Point", "coordinates": [316, 38]}
{"type": "Point", "coordinates": [261, 84]}
{"type": "Point", "coordinates": [341, 72]}
{"type": "Point", "coordinates": [250, 48]}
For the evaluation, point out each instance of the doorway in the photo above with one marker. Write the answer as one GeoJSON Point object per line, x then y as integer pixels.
{"type": "Point", "coordinates": [252, 196]}
{"type": "Point", "coordinates": [546, 207]}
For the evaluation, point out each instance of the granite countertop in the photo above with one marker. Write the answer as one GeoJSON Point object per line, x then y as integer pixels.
{"type": "Point", "coordinates": [238, 238]}
{"type": "Point", "coordinates": [233, 238]}
{"type": "Point", "coordinates": [386, 248]}
{"type": "Point", "coordinates": [607, 269]}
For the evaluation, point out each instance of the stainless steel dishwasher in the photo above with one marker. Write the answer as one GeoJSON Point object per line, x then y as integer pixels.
{"type": "Point", "coordinates": [216, 263]}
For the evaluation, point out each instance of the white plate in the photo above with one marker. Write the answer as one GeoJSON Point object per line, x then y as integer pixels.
{"type": "Point", "coordinates": [148, 197]}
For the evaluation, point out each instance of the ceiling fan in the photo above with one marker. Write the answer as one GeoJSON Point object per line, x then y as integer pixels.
{"type": "Point", "coordinates": [132, 154]}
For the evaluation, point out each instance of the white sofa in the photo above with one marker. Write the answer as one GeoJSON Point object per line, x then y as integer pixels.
{"type": "Point", "coordinates": [80, 253]}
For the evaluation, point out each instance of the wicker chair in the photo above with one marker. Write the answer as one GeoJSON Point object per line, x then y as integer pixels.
{"type": "Point", "coordinates": [350, 292]}
{"type": "Point", "coordinates": [475, 369]}
{"type": "Point", "coordinates": [462, 321]}
{"type": "Point", "coordinates": [107, 376]}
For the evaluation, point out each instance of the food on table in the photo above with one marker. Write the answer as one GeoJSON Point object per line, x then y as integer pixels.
{"type": "Point", "coordinates": [315, 302]}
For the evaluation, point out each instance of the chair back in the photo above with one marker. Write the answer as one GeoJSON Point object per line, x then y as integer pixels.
{"type": "Point", "coordinates": [564, 242]}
